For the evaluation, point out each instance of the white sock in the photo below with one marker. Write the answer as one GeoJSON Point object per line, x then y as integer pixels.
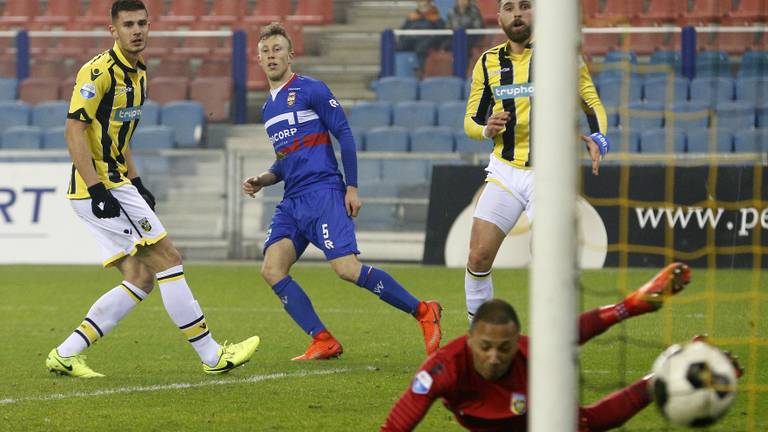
{"type": "Point", "coordinates": [478, 288]}
{"type": "Point", "coordinates": [103, 316]}
{"type": "Point", "coordinates": [186, 313]}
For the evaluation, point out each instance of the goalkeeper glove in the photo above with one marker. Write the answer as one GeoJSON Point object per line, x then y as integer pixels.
{"type": "Point", "coordinates": [144, 192]}
{"type": "Point", "coordinates": [602, 143]}
{"type": "Point", "coordinates": [103, 204]}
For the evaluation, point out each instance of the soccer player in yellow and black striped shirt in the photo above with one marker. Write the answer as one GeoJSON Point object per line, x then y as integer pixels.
{"type": "Point", "coordinates": [107, 194]}
{"type": "Point", "coordinates": [499, 108]}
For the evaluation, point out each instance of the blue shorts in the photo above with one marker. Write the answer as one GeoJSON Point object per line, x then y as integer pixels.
{"type": "Point", "coordinates": [318, 217]}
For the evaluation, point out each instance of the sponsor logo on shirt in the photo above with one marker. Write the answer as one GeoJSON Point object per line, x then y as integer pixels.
{"type": "Point", "coordinates": [518, 404]}
{"type": "Point", "coordinates": [122, 90]}
{"type": "Point", "coordinates": [127, 114]}
{"type": "Point", "coordinates": [498, 72]}
{"type": "Point", "coordinates": [422, 382]}
{"type": "Point", "coordinates": [88, 90]}
{"type": "Point", "coordinates": [513, 91]}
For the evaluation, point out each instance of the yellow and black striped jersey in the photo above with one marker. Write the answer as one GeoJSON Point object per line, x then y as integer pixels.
{"type": "Point", "coordinates": [502, 81]}
{"type": "Point", "coordinates": [108, 95]}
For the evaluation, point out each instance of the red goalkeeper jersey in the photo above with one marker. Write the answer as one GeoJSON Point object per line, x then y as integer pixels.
{"type": "Point", "coordinates": [479, 405]}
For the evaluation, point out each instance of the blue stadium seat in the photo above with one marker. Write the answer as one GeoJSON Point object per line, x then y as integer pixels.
{"type": "Point", "coordinates": [700, 141]}
{"type": "Point", "coordinates": [659, 90]}
{"type": "Point", "coordinates": [467, 88]}
{"type": "Point", "coordinates": [368, 115]}
{"type": "Point", "coordinates": [444, 6]}
{"type": "Point", "coordinates": [655, 141]}
{"type": "Point", "coordinates": [617, 56]}
{"type": "Point", "coordinates": [150, 113]}
{"type": "Point", "coordinates": [404, 171]}
{"type": "Point", "coordinates": [712, 90]}
{"type": "Point", "coordinates": [644, 115]}
{"type": "Point", "coordinates": [623, 141]}
{"type": "Point", "coordinates": [359, 136]}
{"type": "Point", "coordinates": [414, 114]}
{"type": "Point", "coordinates": [451, 114]}
{"type": "Point", "coordinates": [712, 64]}
{"type": "Point", "coordinates": [406, 64]}
{"type": "Point", "coordinates": [750, 141]}
{"type": "Point", "coordinates": [14, 114]}
{"type": "Point", "coordinates": [465, 144]}
{"type": "Point", "coordinates": [50, 114]}
{"type": "Point", "coordinates": [9, 88]}
{"type": "Point", "coordinates": [762, 116]}
{"type": "Point", "coordinates": [687, 115]}
{"type": "Point", "coordinates": [396, 89]}
{"type": "Point", "coordinates": [53, 138]}
{"type": "Point", "coordinates": [387, 139]}
{"type": "Point", "coordinates": [611, 91]}
{"type": "Point", "coordinates": [435, 139]}
{"type": "Point", "coordinates": [754, 64]}
{"type": "Point", "coordinates": [148, 137]}
{"type": "Point", "coordinates": [187, 119]}
{"type": "Point", "coordinates": [21, 137]}
{"type": "Point", "coordinates": [671, 58]}
{"type": "Point", "coordinates": [752, 89]}
{"type": "Point", "coordinates": [734, 115]}
{"type": "Point", "coordinates": [441, 89]}
{"type": "Point", "coordinates": [368, 171]}
{"type": "Point", "coordinates": [376, 216]}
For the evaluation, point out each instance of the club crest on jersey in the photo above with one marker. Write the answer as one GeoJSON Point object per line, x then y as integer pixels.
{"type": "Point", "coordinates": [518, 404]}
{"type": "Point", "coordinates": [291, 98]}
{"type": "Point", "coordinates": [422, 382]}
{"type": "Point", "coordinates": [145, 225]}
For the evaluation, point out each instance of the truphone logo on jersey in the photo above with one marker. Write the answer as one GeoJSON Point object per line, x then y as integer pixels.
{"type": "Point", "coordinates": [128, 114]}
{"type": "Point", "coordinates": [513, 91]}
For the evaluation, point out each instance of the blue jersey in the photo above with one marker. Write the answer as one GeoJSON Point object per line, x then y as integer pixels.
{"type": "Point", "coordinates": [298, 120]}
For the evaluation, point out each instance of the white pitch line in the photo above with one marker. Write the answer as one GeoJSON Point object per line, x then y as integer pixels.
{"type": "Point", "coordinates": [179, 386]}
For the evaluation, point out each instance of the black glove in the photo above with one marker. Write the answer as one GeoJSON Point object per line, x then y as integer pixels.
{"type": "Point", "coordinates": [103, 204]}
{"type": "Point", "coordinates": [145, 193]}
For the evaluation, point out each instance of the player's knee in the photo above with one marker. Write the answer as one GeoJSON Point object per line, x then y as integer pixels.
{"type": "Point", "coordinates": [348, 273]}
{"type": "Point", "coordinates": [142, 278]}
{"type": "Point", "coordinates": [272, 274]}
{"type": "Point", "coordinates": [479, 260]}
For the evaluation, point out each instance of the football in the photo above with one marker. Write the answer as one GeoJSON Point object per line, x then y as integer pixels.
{"type": "Point", "coordinates": [694, 384]}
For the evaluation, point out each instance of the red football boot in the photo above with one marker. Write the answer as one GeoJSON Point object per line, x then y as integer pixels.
{"type": "Point", "coordinates": [429, 320]}
{"type": "Point", "coordinates": [650, 297]}
{"type": "Point", "coordinates": [323, 346]}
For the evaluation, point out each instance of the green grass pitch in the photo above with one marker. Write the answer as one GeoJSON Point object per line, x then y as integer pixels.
{"type": "Point", "coordinates": [154, 381]}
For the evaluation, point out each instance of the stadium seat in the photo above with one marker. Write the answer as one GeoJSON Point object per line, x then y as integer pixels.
{"type": "Point", "coordinates": [700, 141]}
{"type": "Point", "coordinates": [441, 89]}
{"type": "Point", "coordinates": [170, 68]}
{"type": "Point", "coordinates": [712, 90]}
{"type": "Point", "coordinates": [612, 90]}
{"type": "Point", "coordinates": [762, 116]}
{"type": "Point", "coordinates": [597, 44]}
{"type": "Point", "coordinates": [187, 119]}
{"type": "Point", "coordinates": [66, 88]}
{"type": "Point", "coordinates": [489, 10]}
{"type": "Point", "coordinates": [627, 141]}
{"type": "Point", "coordinates": [413, 114]}
{"type": "Point", "coordinates": [656, 141]}
{"type": "Point", "coordinates": [748, 12]}
{"type": "Point", "coordinates": [396, 89]}
{"type": "Point", "coordinates": [404, 171]}
{"type": "Point", "coordinates": [451, 114]}
{"type": "Point", "coordinates": [36, 90]}
{"type": "Point", "coordinates": [150, 113]}
{"type": "Point", "coordinates": [707, 11]}
{"type": "Point", "coordinates": [312, 12]}
{"type": "Point", "coordinates": [644, 115]}
{"type": "Point", "coordinates": [619, 56]}
{"type": "Point", "coordinates": [387, 139]}
{"type": "Point", "coordinates": [7, 66]}
{"type": "Point", "coordinates": [368, 171]}
{"type": "Point", "coordinates": [97, 13]}
{"type": "Point", "coordinates": [439, 63]}
{"type": "Point", "coordinates": [257, 79]}
{"type": "Point", "coordinates": [406, 64]}
{"type": "Point", "coordinates": [215, 95]}
{"type": "Point", "coordinates": [166, 89]}
{"type": "Point", "coordinates": [148, 137]}
{"type": "Point", "coordinates": [19, 13]}
{"type": "Point", "coordinates": [21, 137]}
{"type": "Point", "coordinates": [60, 12]}
{"type": "Point", "coordinates": [660, 12]}
{"type": "Point", "coordinates": [367, 115]}
{"type": "Point", "coordinates": [713, 63]}
{"type": "Point", "coordinates": [646, 43]}
{"type": "Point", "coordinates": [750, 141]}
{"type": "Point", "coordinates": [667, 57]}
{"type": "Point", "coordinates": [465, 144]}
{"type": "Point", "coordinates": [51, 114]}
{"type": "Point", "coordinates": [267, 11]}
{"type": "Point", "coordinates": [184, 11]}
{"type": "Point", "coordinates": [687, 115]}
{"type": "Point", "coordinates": [753, 90]}
{"type": "Point", "coordinates": [432, 139]}
{"type": "Point", "coordinates": [14, 113]}
{"type": "Point", "coordinates": [618, 11]}
{"type": "Point", "coordinates": [215, 68]}
{"type": "Point", "coordinates": [8, 89]}
{"type": "Point", "coordinates": [52, 68]}
{"type": "Point", "coordinates": [736, 42]}
{"type": "Point", "coordinates": [666, 91]}
{"type": "Point", "coordinates": [754, 63]}
{"type": "Point", "coordinates": [734, 115]}
{"type": "Point", "coordinates": [226, 12]}
{"type": "Point", "coordinates": [53, 138]}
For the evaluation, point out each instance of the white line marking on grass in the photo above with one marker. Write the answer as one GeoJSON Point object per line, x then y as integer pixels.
{"type": "Point", "coordinates": [181, 386]}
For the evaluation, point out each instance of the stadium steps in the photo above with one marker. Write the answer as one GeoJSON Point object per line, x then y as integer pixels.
{"type": "Point", "coordinates": [379, 14]}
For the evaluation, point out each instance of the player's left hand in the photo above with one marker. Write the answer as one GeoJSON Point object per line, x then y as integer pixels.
{"type": "Point", "coordinates": [144, 192]}
{"type": "Point", "coordinates": [352, 202]}
{"type": "Point", "coordinates": [598, 146]}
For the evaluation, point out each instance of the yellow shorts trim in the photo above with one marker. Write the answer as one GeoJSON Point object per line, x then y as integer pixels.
{"type": "Point", "coordinates": [143, 242]}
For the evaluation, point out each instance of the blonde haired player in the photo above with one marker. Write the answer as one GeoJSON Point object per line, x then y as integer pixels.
{"type": "Point", "coordinates": [499, 108]}
{"type": "Point", "coordinates": [107, 194]}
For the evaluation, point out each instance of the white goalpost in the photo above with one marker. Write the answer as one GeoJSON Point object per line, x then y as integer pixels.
{"type": "Point", "coordinates": [553, 385]}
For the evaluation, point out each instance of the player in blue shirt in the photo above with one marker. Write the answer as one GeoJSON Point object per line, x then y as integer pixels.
{"type": "Point", "coordinates": [317, 205]}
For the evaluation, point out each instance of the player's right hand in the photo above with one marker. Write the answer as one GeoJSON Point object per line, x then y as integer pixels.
{"type": "Point", "coordinates": [103, 204]}
{"type": "Point", "coordinates": [496, 123]}
{"type": "Point", "coordinates": [251, 186]}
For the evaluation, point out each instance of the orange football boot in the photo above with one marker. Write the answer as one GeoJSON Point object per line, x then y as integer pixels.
{"type": "Point", "coordinates": [324, 346]}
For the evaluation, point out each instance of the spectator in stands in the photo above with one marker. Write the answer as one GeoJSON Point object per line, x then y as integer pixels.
{"type": "Point", "coordinates": [466, 15]}
{"type": "Point", "coordinates": [426, 16]}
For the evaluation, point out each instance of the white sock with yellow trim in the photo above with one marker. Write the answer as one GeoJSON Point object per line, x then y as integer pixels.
{"type": "Point", "coordinates": [186, 313]}
{"type": "Point", "coordinates": [103, 316]}
{"type": "Point", "coordinates": [478, 287]}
